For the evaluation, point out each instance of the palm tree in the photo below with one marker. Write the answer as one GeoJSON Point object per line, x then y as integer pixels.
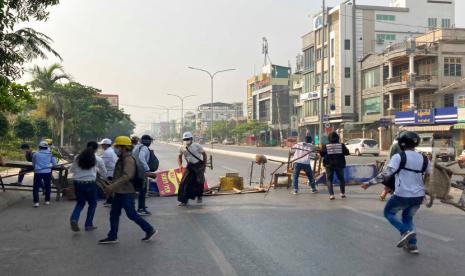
{"type": "Point", "coordinates": [45, 82]}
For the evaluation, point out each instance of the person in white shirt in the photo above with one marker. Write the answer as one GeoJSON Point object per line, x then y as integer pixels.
{"type": "Point", "coordinates": [141, 153]}
{"type": "Point", "coordinates": [85, 168]}
{"type": "Point", "coordinates": [409, 168]}
{"type": "Point", "coordinates": [304, 152]}
{"type": "Point", "coordinates": [109, 158]}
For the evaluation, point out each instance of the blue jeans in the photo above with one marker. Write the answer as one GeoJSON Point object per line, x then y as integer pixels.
{"type": "Point", "coordinates": [46, 180]}
{"type": "Point", "coordinates": [308, 171]}
{"type": "Point", "coordinates": [126, 202]}
{"type": "Point", "coordinates": [408, 206]}
{"type": "Point", "coordinates": [85, 192]}
{"type": "Point", "coordinates": [142, 193]}
{"type": "Point", "coordinates": [330, 171]}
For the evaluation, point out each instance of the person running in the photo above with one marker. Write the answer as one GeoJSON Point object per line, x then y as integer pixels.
{"type": "Point", "coordinates": [141, 153]}
{"type": "Point", "coordinates": [109, 159]}
{"type": "Point", "coordinates": [334, 161]}
{"type": "Point", "coordinates": [28, 155]}
{"type": "Point", "coordinates": [42, 161]}
{"type": "Point", "coordinates": [193, 179]}
{"type": "Point", "coordinates": [123, 191]}
{"type": "Point", "coordinates": [304, 152]}
{"type": "Point", "coordinates": [408, 168]}
{"type": "Point", "coordinates": [85, 168]}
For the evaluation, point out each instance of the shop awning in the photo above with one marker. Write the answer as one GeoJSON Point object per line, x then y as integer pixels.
{"type": "Point", "coordinates": [427, 128]}
{"type": "Point", "coordinates": [459, 126]}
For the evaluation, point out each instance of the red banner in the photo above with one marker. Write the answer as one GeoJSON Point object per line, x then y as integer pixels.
{"type": "Point", "coordinates": [168, 182]}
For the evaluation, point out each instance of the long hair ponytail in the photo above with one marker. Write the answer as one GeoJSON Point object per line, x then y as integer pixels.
{"type": "Point", "coordinates": [86, 159]}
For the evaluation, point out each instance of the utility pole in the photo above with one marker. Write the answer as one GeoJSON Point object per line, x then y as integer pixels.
{"type": "Point", "coordinates": [322, 76]}
{"type": "Point", "coordinates": [182, 108]}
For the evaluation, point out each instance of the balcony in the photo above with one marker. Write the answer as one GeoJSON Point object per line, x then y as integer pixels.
{"type": "Point", "coordinates": [402, 83]}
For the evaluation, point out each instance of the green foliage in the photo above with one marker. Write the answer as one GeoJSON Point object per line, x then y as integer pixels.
{"type": "Point", "coordinates": [251, 127]}
{"type": "Point", "coordinates": [18, 46]}
{"type": "Point", "coordinates": [24, 129]}
{"type": "Point", "coordinates": [14, 97]}
{"type": "Point", "coordinates": [42, 128]}
{"type": "Point", "coordinates": [4, 125]}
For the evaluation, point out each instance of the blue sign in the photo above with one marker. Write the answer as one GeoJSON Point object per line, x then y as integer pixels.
{"type": "Point", "coordinates": [447, 115]}
{"type": "Point", "coordinates": [405, 118]}
{"type": "Point", "coordinates": [384, 122]}
{"type": "Point", "coordinates": [424, 116]}
{"type": "Point", "coordinates": [325, 118]}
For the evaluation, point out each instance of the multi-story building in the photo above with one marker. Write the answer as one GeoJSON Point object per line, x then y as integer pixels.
{"type": "Point", "coordinates": [350, 33]}
{"type": "Point", "coordinates": [221, 112]}
{"type": "Point", "coordinates": [268, 98]}
{"type": "Point", "coordinates": [417, 84]}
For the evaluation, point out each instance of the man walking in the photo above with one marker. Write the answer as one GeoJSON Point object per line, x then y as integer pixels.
{"type": "Point", "coordinates": [109, 159]}
{"type": "Point", "coordinates": [304, 152]}
{"type": "Point", "coordinates": [141, 153]}
{"type": "Point", "coordinates": [124, 193]}
{"type": "Point", "coordinates": [408, 168]}
{"type": "Point", "coordinates": [42, 161]}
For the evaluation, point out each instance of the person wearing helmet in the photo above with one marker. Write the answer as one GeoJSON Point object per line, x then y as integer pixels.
{"type": "Point", "coordinates": [304, 153]}
{"type": "Point", "coordinates": [42, 161]}
{"type": "Point", "coordinates": [408, 168]}
{"type": "Point", "coordinates": [193, 179]}
{"type": "Point", "coordinates": [123, 191]}
{"type": "Point", "coordinates": [141, 152]}
{"type": "Point", "coordinates": [109, 159]}
{"type": "Point", "coordinates": [334, 162]}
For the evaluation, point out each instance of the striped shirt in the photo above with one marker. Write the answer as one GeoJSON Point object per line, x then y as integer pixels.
{"type": "Point", "coordinates": [304, 152]}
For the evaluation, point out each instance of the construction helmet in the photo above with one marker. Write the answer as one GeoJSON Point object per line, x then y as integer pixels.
{"type": "Point", "coordinates": [408, 139]}
{"type": "Point", "coordinates": [49, 141]}
{"type": "Point", "coordinates": [187, 135]}
{"type": "Point", "coordinates": [122, 141]}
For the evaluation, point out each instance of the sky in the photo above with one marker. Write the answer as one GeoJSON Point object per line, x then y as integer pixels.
{"type": "Point", "coordinates": [141, 49]}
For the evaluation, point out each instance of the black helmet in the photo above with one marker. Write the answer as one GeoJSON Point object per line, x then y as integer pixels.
{"type": "Point", "coordinates": [408, 139]}
{"type": "Point", "coordinates": [146, 140]}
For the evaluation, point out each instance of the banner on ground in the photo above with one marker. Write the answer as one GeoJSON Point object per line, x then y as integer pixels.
{"type": "Point", "coordinates": [168, 182]}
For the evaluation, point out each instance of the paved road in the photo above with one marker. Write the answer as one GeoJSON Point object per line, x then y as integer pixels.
{"type": "Point", "coordinates": [281, 234]}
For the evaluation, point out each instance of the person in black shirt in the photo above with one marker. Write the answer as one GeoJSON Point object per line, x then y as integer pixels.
{"type": "Point", "coordinates": [28, 155]}
{"type": "Point", "coordinates": [334, 161]}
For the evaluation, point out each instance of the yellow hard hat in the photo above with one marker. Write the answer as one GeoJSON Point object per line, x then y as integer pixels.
{"type": "Point", "coordinates": [122, 141]}
{"type": "Point", "coordinates": [49, 141]}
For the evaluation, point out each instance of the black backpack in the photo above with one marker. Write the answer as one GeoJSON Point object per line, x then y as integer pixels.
{"type": "Point", "coordinates": [391, 182]}
{"type": "Point", "coordinates": [154, 163]}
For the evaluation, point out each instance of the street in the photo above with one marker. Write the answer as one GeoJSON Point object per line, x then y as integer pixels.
{"type": "Point", "coordinates": [280, 234]}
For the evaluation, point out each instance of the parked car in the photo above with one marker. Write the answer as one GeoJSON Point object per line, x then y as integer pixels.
{"type": "Point", "coordinates": [363, 146]}
{"type": "Point", "coordinates": [214, 141]}
{"type": "Point", "coordinates": [228, 141]}
{"type": "Point", "coordinates": [443, 145]}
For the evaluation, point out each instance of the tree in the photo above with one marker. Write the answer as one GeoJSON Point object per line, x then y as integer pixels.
{"type": "Point", "coordinates": [42, 128]}
{"type": "Point", "coordinates": [4, 125]}
{"type": "Point", "coordinates": [24, 129]}
{"type": "Point", "coordinates": [14, 97]}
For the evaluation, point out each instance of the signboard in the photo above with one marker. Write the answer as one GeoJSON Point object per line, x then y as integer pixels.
{"type": "Point", "coordinates": [317, 22]}
{"type": "Point", "coordinates": [384, 122]}
{"type": "Point", "coordinates": [461, 115]}
{"type": "Point", "coordinates": [310, 96]}
{"type": "Point", "coordinates": [424, 116]}
{"type": "Point", "coordinates": [168, 182]}
{"type": "Point", "coordinates": [325, 119]}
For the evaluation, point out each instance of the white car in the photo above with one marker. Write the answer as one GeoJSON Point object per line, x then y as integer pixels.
{"type": "Point", "coordinates": [363, 146]}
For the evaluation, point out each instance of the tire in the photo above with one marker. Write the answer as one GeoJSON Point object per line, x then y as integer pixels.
{"type": "Point", "coordinates": [357, 152]}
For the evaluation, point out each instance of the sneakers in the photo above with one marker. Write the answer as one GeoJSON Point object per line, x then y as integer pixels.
{"type": "Point", "coordinates": [295, 192]}
{"type": "Point", "coordinates": [332, 197]}
{"type": "Point", "coordinates": [182, 204]}
{"type": "Point", "coordinates": [36, 205]}
{"type": "Point", "coordinates": [47, 202]}
{"type": "Point", "coordinates": [150, 235]}
{"type": "Point", "coordinates": [143, 212]}
{"type": "Point", "coordinates": [74, 226]}
{"type": "Point", "coordinates": [90, 228]}
{"type": "Point", "coordinates": [108, 241]}
{"type": "Point", "coordinates": [199, 200]}
{"type": "Point", "coordinates": [343, 196]}
{"type": "Point", "coordinates": [405, 238]}
{"type": "Point", "coordinates": [412, 249]}
{"type": "Point", "coordinates": [314, 191]}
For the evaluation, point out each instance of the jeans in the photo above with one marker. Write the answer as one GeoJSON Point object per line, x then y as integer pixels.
{"type": "Point", "coordinates": [85, 192]}
{"type": "Point", "coordinates": [21, 175]}
{"type": "Point", "coordinates": [46, 178]}
{"type": "Point", "coordinates": [308, 171]}
{"type": "Point", "coordinates": [126, 202]}
{"type": "Point", "coordinates": [142, 193]}
{"type": "Point", "coordinates": [408, 206]}
{"type": "Point", "coordinates": [330, 178]}
{"type": "Point", "coordinates": [109, 197]}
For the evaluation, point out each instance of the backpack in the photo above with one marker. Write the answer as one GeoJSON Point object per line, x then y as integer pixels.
{"type": "Point", "coordinates": [139, 178]}
{"type": "Point", "coordinates": [153, 163]}
{"type": "Point", "coordinates": [391, 182]}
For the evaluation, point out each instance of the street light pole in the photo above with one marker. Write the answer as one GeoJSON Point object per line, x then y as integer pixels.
{"type": "Point", "coordinates": [212, 76]}
{"type": "Point", "coordinates": [182, 108]}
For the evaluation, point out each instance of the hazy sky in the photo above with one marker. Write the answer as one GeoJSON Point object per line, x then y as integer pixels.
{"type": "Point", "coordinates": [141, 49]}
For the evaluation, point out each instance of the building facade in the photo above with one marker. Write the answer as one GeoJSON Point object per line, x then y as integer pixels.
{"type": "Point", "coordinates": [221, 112]}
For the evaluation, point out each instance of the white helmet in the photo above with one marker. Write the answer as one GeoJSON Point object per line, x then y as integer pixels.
{"type": "Point", "coordinates": [187, 135]}
{"type": "Point", "coordinates": [105, 141]}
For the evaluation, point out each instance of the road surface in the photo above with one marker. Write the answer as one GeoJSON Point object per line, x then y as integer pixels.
{"type": "Point", "coordinates": [280, 234]}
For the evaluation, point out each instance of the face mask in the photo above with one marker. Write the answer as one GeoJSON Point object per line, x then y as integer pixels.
{"type": "Point", "coordinates": [117, 151]}
{"type": "Point", "coordinates": [188, 142]}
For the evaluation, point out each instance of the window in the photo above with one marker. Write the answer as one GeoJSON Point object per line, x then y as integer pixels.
{"type": "Point", "coordinates": [332, 74]}
{"type": "Point", "coordinates": [371, 78]}
{"type": "Point", "coordinates": [461, 101]}
{"type": "Point", "coordinates": [445, 23]}
{"type": "Point", "coordinates": [371, 106]}
{"type": "Point", "coordinates": [347, 100]}
{"type": "Point", "coordinates": [432, 22]}
{"type": "Point", "coordinates": [385, 37]}
{"type": "Point", "coordinates": [318, 54]}
{"type": "Point", "coordinates": [385, 17]}
{"type": "Point", "coordinates": [325, 77]}
{"type": "Point", "coordinates": [264, 110]}
{"type": "Point", "coordinates": [325, 51]}
{"type": "Point", "coordinates": [452, 67]}
{"type": "Point", "coordinates": [448, 100]}
{"type": "Point", "coordinates": [332, 47]}
{"type": "Point", "coordinates": [309, 58]}
{"type": "Point", "coordinates": [309, 82]}
{"type": "Point", "coordinates": [318, 79]}
{"type": "Point", "coordinates": [347, 72]}
{"type": "Point", "coordinates": [347, 44]}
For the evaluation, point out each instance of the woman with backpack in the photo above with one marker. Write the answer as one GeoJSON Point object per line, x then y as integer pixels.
{"type": "Point", "coordinates": [334, 161]}
{"type": "Point", "coordinates": [85, 168]}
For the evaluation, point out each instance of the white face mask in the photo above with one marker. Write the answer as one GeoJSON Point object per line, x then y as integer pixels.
{"type": "Point", "coordinates": [188, 142]}
{"type": "Point", "coordinates": [117, 151]}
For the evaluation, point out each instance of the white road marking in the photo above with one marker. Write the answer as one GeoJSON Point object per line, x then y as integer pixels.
{"type": "Point", "coordinates": [225, 267]}
{"type": "Point", "coordinates": [420, 231]}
